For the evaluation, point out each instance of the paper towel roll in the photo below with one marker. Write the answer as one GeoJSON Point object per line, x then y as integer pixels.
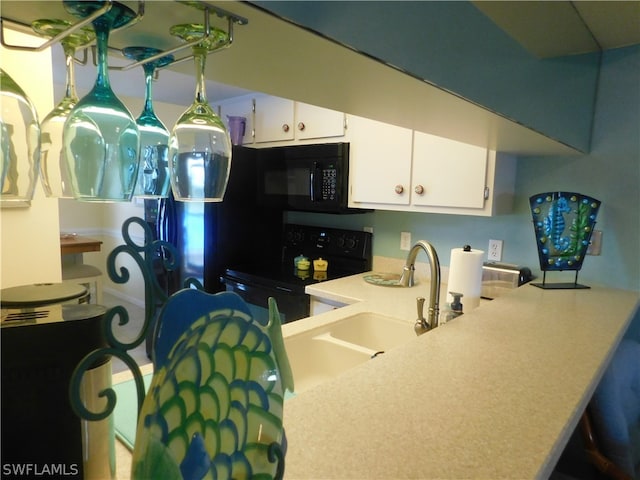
{"type": "Point", "coordinates": [465, 276]}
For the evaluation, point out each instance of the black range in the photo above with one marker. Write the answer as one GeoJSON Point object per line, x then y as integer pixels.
{"type": "Point", "coordinates": [347, 252]}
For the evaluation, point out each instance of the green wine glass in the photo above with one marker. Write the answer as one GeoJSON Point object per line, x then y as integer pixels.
{"type": "Point", "coordinates": [101, 138]}
{"type": "Point", "coordinates": [200, 145]}
{"type": "Point", "coordinates": [54, 172]}
{"type": "Point", "coordinates": [153, 169]}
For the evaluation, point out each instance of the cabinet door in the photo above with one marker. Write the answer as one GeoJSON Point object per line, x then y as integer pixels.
{"type": "Point", "coordinates": [273, 119]}
{"type": "Point", "coordinates": [317, 122]}
{"type": "Point", "coordinates": [448, 173]}
{"type": "Point", "coordinates": [320, 305]}
{"type": "Point", "coordinates": [242, 107]}
{"type": "Point", "coordinates": [379, 162]}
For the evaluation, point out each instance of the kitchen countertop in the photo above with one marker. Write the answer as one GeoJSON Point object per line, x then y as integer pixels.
{"type": "Point", "coordinates": [495, 393]}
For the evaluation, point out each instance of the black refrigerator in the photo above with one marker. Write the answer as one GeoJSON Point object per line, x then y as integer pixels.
{"type": "Point", "coordinates": [210, 237]}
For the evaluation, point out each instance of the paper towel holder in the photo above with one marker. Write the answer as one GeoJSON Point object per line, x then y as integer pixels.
{"type": "Point", "coordinates": [465, 274]}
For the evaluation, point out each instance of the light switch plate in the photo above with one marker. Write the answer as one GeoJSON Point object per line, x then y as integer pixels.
{"type": "Point", "coordinates": [405, 241]}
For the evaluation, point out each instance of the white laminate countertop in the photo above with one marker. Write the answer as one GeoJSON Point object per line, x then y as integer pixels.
{"type": "Point", "coordinates": [492, 394]}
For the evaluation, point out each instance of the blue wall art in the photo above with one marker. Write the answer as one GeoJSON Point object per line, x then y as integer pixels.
{"type": "Point", "coordinates": [563, 223]}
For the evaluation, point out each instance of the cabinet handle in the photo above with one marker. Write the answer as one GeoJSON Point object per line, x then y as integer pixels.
{"type": "Point", "coordinates": [419, 189]}
{"type": "Point", "coordinates": [301, 126]}
{"type": "Point", "coordinates": [399, 189]}
{"type": "Point", "coordinates": [285, 128]}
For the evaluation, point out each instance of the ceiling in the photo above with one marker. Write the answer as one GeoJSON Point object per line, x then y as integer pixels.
{"type": "Point", "coordinates": [558, 28]}
{"type": "Point", "coordinates": [258, 62]}
{"type": "Point", "coordinates": [545, 28]}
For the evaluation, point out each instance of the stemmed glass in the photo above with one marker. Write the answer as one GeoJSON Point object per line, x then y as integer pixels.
{"type": "Point", "coordinates": [54, 171]}
{"type": "Point", "coordinates": [101, 138]}
{"type": "Point", "coordinates": [153, 170]}
{"type": "Point", "coordinates": [19, 144]}
{"type": "Point", "coordinates": [200, 146]}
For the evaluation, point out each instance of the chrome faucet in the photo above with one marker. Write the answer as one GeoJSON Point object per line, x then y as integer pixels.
{"type": "Point", "coordinates": [407, 280]}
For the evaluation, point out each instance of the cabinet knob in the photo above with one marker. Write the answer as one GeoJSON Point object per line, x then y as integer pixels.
{"type": "Point", "coordinates": [419, 189]}
{"type": "Point", "coordinates": [285, 127]}
{"type": "Point", "coordinates": [301, 126]}
{"type": "Point", "coordinates": [399, 189]}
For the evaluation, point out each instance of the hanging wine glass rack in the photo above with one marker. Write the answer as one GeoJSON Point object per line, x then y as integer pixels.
{"type": "Point", "coordinates": [21, 14]}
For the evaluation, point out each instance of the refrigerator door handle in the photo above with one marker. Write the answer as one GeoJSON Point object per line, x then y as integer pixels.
{"type": "Point", "coordinates": [160, 222]}
{"type": "Point", "coordinates": [167, 220]}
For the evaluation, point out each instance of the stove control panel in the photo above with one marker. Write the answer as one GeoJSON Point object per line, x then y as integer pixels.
{"type": "Point", "coordinates": [327, 242]}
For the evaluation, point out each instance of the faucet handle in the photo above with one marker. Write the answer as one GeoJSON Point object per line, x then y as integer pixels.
{"type": "Point", "coordinates": [421, 325]}
{"type": "Point", "coordinates": [420, 305]}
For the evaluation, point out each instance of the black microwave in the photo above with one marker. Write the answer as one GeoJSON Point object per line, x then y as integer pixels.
{"type": "Point", "coordinates": [310, 178]}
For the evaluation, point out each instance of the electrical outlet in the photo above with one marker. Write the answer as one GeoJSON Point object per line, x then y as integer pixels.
{"type": "Point", "coordinates": [405, 241]}
{"type": "Point", "coordinates": [595, 245]}
{"type": "Point", "coordinates": [495, 250]}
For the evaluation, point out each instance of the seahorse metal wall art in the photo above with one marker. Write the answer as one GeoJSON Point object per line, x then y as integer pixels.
{"type": "Point", "coordinates": [563, 223]}
{"type": "Point", "coordinates": [554, 224]}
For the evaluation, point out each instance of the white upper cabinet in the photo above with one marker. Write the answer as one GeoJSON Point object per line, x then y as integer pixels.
{"type": "Point", "coordinates": [379, 163]}
{"type": "Point", "coordinates": [317, 122]}
{"type": "Point", "coordinates": [274, 120]}
{"type": "Point", "coordinates": [280, 120]}
{"type": "Point", "coordinates": [390, 167]}
{"type": "Point", "coordinates": [393, 168]}
{"type": "Point", "coordinates": [448, 173]}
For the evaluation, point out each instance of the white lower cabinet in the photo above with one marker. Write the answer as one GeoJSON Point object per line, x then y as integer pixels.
{"type": "Point", "coordinates": [394, 168]}
{"type": "Point", "coordinates": [320, 305]}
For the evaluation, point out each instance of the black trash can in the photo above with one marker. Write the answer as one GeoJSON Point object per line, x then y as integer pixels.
{"type": "Point", "coordinates": [41, 435]}
{"type": "Point", "coordinates": [41, 294]}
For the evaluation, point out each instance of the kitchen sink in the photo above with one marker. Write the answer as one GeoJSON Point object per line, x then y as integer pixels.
{"type": "Point", "coordinates": [373, 331]}
{"type": "Point", "coordinates": [315, 359]}
{"type": "Point", "coordinates": [323, 353]}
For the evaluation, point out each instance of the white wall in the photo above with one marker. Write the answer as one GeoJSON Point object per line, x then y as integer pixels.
{"type": "Point", "coordinates": [30, 245]}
